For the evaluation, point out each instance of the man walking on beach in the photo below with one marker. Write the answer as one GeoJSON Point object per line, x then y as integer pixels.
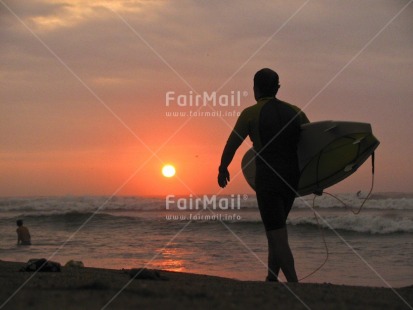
{"type": "Point", "coordinates": [274, 128]}
{"type": "Point", "coordinates": [23, 235]}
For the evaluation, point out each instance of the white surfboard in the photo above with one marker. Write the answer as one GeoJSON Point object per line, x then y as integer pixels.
{"type": "Point", "coordinates": [328, 152]}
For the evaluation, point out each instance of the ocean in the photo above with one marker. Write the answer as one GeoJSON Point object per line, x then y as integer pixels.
{"type": "Point", "coordinates": [373, 248]}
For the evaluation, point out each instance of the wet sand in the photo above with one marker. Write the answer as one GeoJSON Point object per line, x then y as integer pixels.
{"type": "Point", "coordinates": [94, 288]}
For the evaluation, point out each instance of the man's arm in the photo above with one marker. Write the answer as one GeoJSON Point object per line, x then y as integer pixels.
{"type": "Point", "coordinates": [237, 136]}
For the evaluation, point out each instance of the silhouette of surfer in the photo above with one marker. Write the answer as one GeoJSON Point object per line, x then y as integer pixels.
{"type": "Point", "coordinates": [274, 128]}
{"type": "Point", "coordinates": [23, 234]}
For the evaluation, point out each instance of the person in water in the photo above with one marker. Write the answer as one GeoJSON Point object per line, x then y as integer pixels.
{"type": "Point", "coordinates": [23, 234]}
{"type": "Point", "coordinates": [274, 128]}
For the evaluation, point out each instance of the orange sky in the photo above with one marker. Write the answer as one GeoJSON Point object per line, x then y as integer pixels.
{"type": "Point", "coordinates": [83, 88]}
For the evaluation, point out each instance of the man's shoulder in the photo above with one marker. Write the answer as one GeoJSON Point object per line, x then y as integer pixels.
{"type": "Point", "coordinates": [249, 108]}
{"type": "Point", "coordinates": [248, 111]}
{"type": "Point", "coordinates": [297, 110]}
{"type": "Point", "coordinates": [294, 107]}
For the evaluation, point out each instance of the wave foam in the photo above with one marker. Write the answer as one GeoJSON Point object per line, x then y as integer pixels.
{"type": "Point", "coordinates": [360, 223]}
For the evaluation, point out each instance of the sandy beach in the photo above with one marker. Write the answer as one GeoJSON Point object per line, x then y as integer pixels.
{"type": "Point", "coordinates": [93, 288]}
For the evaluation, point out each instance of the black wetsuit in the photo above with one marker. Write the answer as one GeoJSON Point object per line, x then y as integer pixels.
{"type": "Point", "coordinates": [274, 128]}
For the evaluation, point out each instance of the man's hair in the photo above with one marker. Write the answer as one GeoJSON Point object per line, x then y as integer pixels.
{"type": "Point", "coordinates": [266, 81]}
{"type": "Point", "coordinates": [19, 222]}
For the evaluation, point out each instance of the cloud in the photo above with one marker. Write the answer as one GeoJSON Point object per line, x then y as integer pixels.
{"type": "Point", "coordinates": [198, 39]}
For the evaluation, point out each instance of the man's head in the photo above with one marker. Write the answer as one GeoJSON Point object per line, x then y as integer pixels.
{"type": "Point", "coordinates": [266, 83]}
{"type": "Point", "coordinates": [19, 223]}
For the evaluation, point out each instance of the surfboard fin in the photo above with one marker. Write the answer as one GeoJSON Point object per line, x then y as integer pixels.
{"type": "Point", "coordinates": [349, 167]}
{"type": "Point", "coordinates": [331, 128]}
{"type": "Point", "coordinates": [318, 192]}
{"type": "Point", "coordinates": [358, 140]}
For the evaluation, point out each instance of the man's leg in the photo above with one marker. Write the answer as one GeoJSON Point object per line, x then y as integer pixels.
{"type": "Point", "coordinates": [273, 266]}
{"type": "Point", "coordinates": [275, 200]}
{"type": "Point", "coordinates": [280, 255]}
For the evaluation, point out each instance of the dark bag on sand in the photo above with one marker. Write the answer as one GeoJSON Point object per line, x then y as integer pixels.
{"type": "Point", "coordinates": [41, 265]}
{"type": "Point", "coordinates": [146, 274]}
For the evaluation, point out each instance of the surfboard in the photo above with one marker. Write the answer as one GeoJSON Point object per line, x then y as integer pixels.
{"type": "Point", "coordinates": [328, 152]}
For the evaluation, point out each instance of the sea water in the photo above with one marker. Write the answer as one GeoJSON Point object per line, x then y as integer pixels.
{"type": "Point", "coordinates": [372, 248]}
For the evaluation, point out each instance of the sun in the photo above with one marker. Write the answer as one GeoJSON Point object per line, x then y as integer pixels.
{"type": "Point", "coordinates": [168, 171]}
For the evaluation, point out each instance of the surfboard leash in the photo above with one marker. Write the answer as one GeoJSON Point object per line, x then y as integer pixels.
{"type": "Point", "coordinates": [320, 228]}
{"type": "Point", "coordinates": [347, 207]}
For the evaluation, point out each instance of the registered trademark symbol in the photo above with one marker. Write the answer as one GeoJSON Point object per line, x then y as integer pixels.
{"type": "Point", "coordinates": [245, 93]}
{"type": "Point", "coordinates": [245, 197]}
